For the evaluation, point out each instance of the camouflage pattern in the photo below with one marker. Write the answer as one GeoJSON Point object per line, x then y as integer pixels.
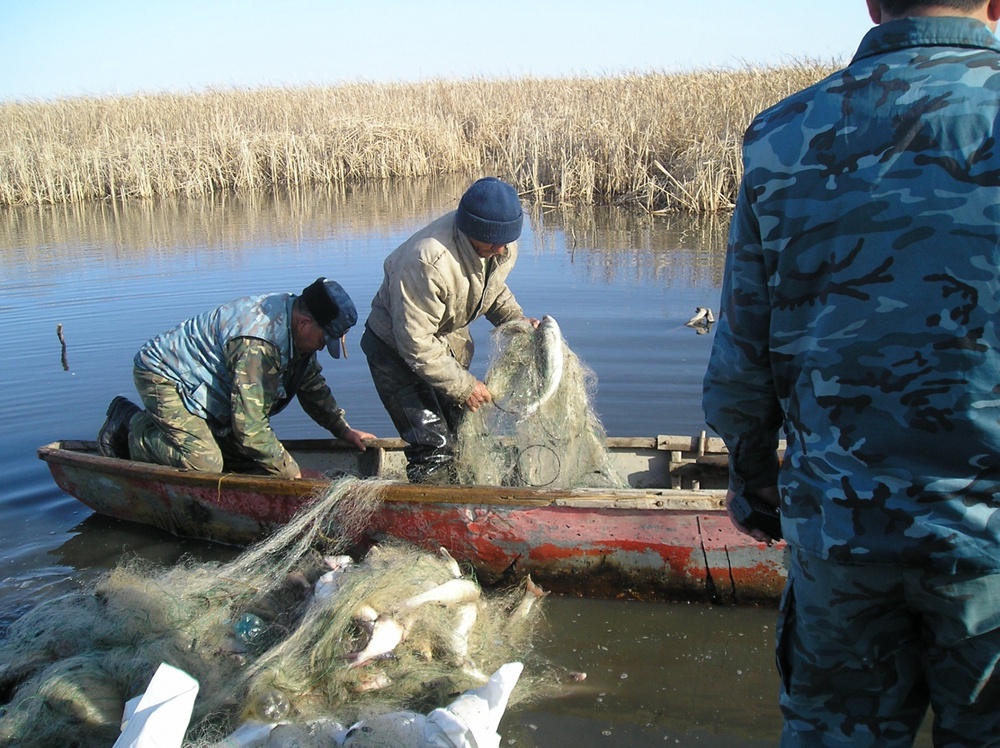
{"type": "Point", "coordinates": [860, 305]}
{"type": "Point", "coordinates": [260, 379]}
{"type": "Point", "coordinates": [193, 353]}
{"type": "Point", "coordinates": [856, 655]}
{"type": "Point", "coordinates": [859, 313]}
{"type": "Point", "coordinates": [167, 433]}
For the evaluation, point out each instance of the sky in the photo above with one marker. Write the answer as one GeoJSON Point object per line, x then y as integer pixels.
{"type": "Point", "coordinates": [61, 48]}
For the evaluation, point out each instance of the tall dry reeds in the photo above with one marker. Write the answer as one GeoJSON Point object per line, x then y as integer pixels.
{"type": "Point", "coordinates": [661, 142]}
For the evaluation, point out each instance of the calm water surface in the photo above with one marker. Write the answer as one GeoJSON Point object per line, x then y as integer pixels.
{"type": "Point", "coordinates": [621, 288]}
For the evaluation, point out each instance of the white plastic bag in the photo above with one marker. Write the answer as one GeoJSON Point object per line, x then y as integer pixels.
{"type": "Point", "coordinates": [159, 718]}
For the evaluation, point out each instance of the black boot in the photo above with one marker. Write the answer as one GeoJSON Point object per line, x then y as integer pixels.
{"type": "Point", "coordinates": [112, 439]}
{"type": "Point", "coordinates": [425, 422]}
{"type": "Point", "coordinates": [432, 469]}
{"type": "Point", "coordinates": [428, 435]}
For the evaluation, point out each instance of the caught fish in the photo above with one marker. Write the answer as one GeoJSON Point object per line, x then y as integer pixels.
{"type": "Point", "coordinates": [373, 682]}
{"type": "Point", "coordinates": [366, 616]}
{"type": "Point", "coordinates": [532, 592]}
{"type": "Point", "coordinates": [386, 635]}
{"type": "Point", "coordinates": [453, 566]}
{"type": "Point", "coordinates": [549, 359]}
{"type": "Point", "coordinates": [329, 584]}
{"type": "Point", "coordinates": [450, 593]}
{"type": "Point", "coordinates": [338, 563]}
{"type": "Point", "coordinates": [458, 641]}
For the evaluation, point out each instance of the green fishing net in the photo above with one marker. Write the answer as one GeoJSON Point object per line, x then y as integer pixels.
{"type": "Point", "coordinates": [541, 429]}
{"type": "Point", "coordinates": [273, 635]}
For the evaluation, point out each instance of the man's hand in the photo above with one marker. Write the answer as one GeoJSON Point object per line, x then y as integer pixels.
{"type": "Point", "coordinates": [769, 495]}
{"type": "Point", "coordinates": [356, 438]}
{"type": "Point", "coordinates": [310, 474]}
{"type": "Point", "coordinates": [479, 396]}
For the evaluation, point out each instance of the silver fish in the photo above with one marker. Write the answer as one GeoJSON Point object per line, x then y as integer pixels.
{"type": "Point", "coordinates": [372, 682]}
{"type": "Point", "coordinates": [458, 640]}
{"type": "Point", "coordinates": [453, 566]}
{"type": "Point", "coordinates": [386, 635]}
{"type": "Point", "coordinates": [532, 592]}
{"type": "Point", "coordinates": [452, 592]}
{"type": "Point", "coordinates": [549, 359]}
{"type": "Point", "coordinates": [329, 584]}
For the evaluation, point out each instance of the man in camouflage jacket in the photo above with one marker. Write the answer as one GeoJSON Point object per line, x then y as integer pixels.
{"type": "Point", "coordinates": [211, 384]}
{"type": "Point", "coordinates": [860, 314]}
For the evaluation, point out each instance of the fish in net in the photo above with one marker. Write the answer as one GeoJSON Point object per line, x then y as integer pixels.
{"type": "Point", "coordinates": [541, 429]}
{"type": "Point", "coordinates": [291, 630]}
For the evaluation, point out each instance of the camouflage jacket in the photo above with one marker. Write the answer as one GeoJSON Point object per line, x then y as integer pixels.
{"type": "Point", "coordinates": [236, 366]}
{"type": "Point", "coordinates": [435, 286]}
{"type": "Point", "coordinates": [860, 304]}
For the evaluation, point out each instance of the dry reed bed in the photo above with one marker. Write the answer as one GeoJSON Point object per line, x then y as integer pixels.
{"type": "Point", "coordinates": [657, 141]}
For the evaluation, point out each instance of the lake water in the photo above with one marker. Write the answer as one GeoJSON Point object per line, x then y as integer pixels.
{"type": "Point", "coordinates": [621, 287]}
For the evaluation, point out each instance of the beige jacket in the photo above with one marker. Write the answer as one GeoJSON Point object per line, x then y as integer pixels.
{"type": "Point", "coordinates": [435, 286]}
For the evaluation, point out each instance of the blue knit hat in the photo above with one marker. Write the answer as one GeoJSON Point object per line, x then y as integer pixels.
{"type": "Point", "coordinates": [333, 310]}
{"type": "Point", "coordinates": [490, 212]}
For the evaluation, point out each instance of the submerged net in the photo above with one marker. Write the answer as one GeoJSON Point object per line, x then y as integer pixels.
{"type": "Point", "coordinates": [281, 633]}
{"type": "Point", "coordinates": [541, 430]}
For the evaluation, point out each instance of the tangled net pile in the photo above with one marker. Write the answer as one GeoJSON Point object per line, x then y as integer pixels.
{"type": "Point", "coordinates": [260, 639]}
{"type": "Point", "coordinates": [542, 430]}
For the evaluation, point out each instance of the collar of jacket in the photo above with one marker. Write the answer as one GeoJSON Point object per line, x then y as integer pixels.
{"type": "Point", "coordinates": [472, 258]}
{"type": "Point", "coordinates": [927, 31]}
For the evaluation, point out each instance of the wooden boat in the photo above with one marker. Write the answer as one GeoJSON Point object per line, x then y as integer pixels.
{"type": "Point", "coordinates": [667, 536]}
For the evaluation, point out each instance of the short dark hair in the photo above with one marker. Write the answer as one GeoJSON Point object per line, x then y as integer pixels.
{"type": "Point", "coordinates": [900, 7]}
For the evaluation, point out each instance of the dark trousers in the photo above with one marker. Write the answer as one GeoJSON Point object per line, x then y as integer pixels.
{"type": "Point", "coordinates": [425, 421]}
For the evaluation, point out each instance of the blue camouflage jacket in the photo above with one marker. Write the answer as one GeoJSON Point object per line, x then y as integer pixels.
{"type": "Point", "coordinates": [860, 304]}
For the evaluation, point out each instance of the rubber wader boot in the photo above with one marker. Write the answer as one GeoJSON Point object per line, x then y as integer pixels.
{"type": "Point", "coordinates": [112, 439]}
{"type": "Point", "coordinates": [429, 438]}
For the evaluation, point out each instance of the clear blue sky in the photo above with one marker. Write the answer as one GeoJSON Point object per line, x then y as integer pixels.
{"type": "Point", "coordinates": [54, 48]}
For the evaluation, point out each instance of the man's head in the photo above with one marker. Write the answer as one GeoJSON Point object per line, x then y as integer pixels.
{"type": "Point", "coordinates": [332, 313]}
{"type": "Point", "coordinates": [490, 214]}
{"type": "Point", "coordinates": [884, 10]}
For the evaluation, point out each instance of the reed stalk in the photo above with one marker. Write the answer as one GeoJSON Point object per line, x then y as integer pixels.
{"type": "Point", "coordinates": [658, 142]}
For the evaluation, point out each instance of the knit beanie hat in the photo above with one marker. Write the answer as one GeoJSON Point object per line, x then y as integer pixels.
{"type": "Point", "coordinates": [490, 212]}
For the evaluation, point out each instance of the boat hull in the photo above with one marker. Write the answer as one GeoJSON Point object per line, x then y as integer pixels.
{"type": "Point", "coordinates": [639, 543]}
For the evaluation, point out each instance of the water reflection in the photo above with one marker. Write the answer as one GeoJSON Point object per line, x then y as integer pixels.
{"type": "Point", "coordinates": [677, 251]}
{"type": "Point", "coordinates": [674, 250]}
{"type": "Point", "coordinates": [219, 223]}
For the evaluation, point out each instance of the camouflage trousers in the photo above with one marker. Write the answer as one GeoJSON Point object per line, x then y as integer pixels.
{"type": "Point", "coordinates": [167, 433]}
{"type": "Point", "coordinates": [862, 652]}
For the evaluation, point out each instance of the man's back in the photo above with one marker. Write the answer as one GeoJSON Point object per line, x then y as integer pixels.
{"type": "Point", "coordinates": [867, 250]}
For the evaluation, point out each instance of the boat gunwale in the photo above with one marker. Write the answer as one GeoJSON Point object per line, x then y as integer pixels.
{"type": "Point", "coordinates": [83, 454]}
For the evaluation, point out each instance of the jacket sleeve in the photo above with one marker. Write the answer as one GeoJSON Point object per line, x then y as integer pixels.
{"type": "Point", "coordinates": [318, 401]}
{"type": "Point", "coordinates": [419, 304]}
{"type": "Point", "coordinates": [739, 400]}
{"type": "Point", "coordinates": [256, 370]}
{"type": "Point", "coordinates": [504, 307]}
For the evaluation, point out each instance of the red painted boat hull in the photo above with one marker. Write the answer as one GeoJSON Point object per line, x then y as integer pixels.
{"type": "Point", "coordinates": [650, 544]}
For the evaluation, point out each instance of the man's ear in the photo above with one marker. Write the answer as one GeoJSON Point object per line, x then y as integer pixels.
{"type": "Point", "coordinates": [993, 10]}
{"type": "Point", "coordinates": [875, 11]}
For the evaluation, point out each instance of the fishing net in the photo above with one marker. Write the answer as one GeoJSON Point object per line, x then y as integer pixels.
{"type": "Point", "coordinates": [541, 430]}
{"type": "Point", "coordinates": [281, 633]}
